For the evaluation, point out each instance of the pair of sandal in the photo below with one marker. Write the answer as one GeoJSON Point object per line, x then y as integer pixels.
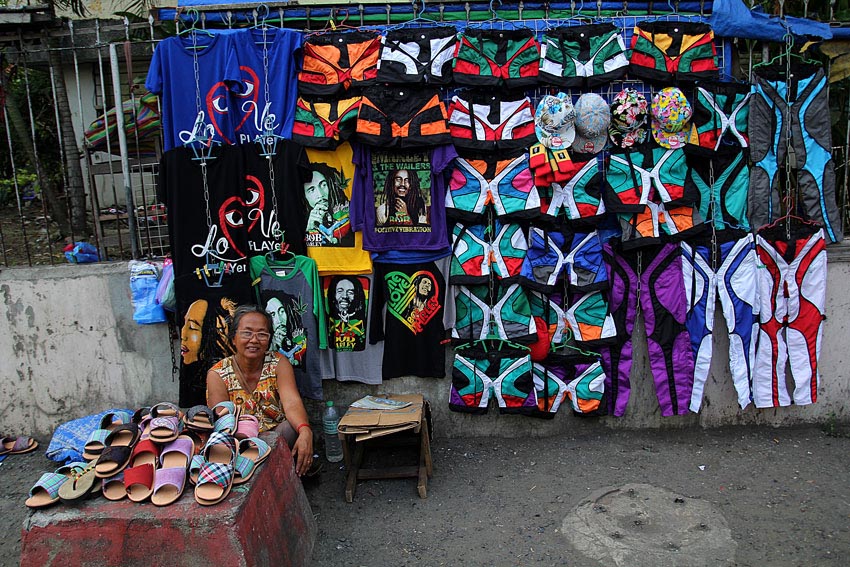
{"type": "Point", "coordinates": [68, 483]}
{"type": "Point", "coordinates": [155, 473]}
{"type": "Point", "coordinates": [223, 463]}
{"type": "Point", "coordinates": [17, 445]}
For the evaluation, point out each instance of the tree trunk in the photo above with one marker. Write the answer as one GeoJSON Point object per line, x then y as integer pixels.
{"type": "Point", "coordinates": [75, 191]}
{"type": "Point", "coordinates": [48, 188]}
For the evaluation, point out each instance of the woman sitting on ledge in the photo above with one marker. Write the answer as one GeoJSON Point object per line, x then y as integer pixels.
{"type": "Point", "coordinates": [262, 384]}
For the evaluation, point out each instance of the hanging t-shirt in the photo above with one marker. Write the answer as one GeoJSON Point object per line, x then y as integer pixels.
{"type": "Point", "coordinates": [206, 225]}
{"type": "Point", "coordinates": [331, 240]}
{"type": "Point", "coordinates": [204, 312]}
{"type": "Point", "coordinates": [172, 76]}
{"type": "Point", "coordinates": [412, 326]}
{"type": "Point", "coordinates": [399, 198]}
{"type": "Point", "coordinates": [268, 214]}
{"type": "Point", "coordinates": [266, 59]}
{"type": "Point", "coordinates": [347, 302]}
{"type": "Point", "coordinates": [290, 291]}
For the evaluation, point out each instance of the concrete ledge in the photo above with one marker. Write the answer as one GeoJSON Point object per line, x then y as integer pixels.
{"type": "Point", "coordinates": [268, 521]}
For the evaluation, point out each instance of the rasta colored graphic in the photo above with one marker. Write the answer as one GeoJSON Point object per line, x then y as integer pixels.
{"type": "Point", "coordinates": [414, 299]}
{"type": "Point", "coordinates": [347, 298]}
{"type": "Point", "coordinates": [290, 336]}
{"type": "Point", "coordinates": [328, 223]}
{"type": "Point", "coordinates": [402, 192]}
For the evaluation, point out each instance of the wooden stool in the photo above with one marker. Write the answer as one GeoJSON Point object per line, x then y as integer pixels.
{"type": "Point", "coordinates": [354, 451]}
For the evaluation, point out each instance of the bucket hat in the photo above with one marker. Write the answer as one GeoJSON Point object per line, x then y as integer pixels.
{"type": "Point", "coordinates": [671, 113]}
{"type": "Point", "coordinates": [554, 121]}
{"type": "Point", "coordinates": [629, 119]}
{"type": "Point", "coordinates": [593, 117]}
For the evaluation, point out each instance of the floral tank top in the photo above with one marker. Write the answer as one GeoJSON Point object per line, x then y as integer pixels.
{"type": "Point", "coordinates": [264, 402]}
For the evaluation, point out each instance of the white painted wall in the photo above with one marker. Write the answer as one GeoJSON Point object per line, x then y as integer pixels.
{"type": "Point", "coordinates": [69, 347]}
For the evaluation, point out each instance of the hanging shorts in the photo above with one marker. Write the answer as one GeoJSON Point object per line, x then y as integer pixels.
{"type": "Point", "coordinates": [401, 117]}
{"type": "Point", "coordinates": [585, 265]}
{"type": "Point", "coordinates": [336, 61]}
{"type": "Point", "coordinates": [792, 302]}
{"type": "Point", "coordinates": [590, 320]}
{"type": "Point", "coordinates": [583, 56]}
{"type": "Point", "coordinates": [643, 228]}
{"type": "Point", "coordinates": [488, 122]}
{"type": "Point", "coordinates": [669, 52]}
{"type": "Point", "coordinates": [635, 175]}
{"type": "Point", "coordinates": [544, 261]}
{"type": "Point", "coordinates": [417, 56]}
{"type": "Point", "coordinates": [325, 124]}
{"type": "Point", "coordinates": [497, 58]}
{"type": "Point", "coordinates": [722, 181]}
{"type": "Point", "coordinates": [506, 315]}
{"type": "Point", "coordinates": [550, 385]}
{"type": "Point", "coordinates": [580, 198]}
{"type": "Point", "coordinates": [586, 389]}
{"type": "Point", "coordinates": [721, 113]}
{"type": "Point", "coordinates": [479, 373]}
{"type": "Point", "coordinates": [479, 252]}
{"type": "Point", "coordinates": [505, 184]}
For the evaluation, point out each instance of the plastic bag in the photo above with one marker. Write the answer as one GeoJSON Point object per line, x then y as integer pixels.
{"type": "Point", "coordinates": [165, 290]}
{"type": "Point", "coordinates": [144, 280]}
{"type": "Point", "coordinates": [81, 253]}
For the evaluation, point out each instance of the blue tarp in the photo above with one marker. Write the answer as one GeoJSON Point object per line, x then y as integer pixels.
{"type": "Point", "coordinates": [731, 18]}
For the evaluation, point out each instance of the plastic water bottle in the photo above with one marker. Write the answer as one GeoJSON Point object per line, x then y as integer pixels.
{"type": "Point", "coordinates": [330, 425]}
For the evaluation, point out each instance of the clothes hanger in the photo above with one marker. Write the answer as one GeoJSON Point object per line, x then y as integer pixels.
{"type": "Point", "coordinates": [419, 19]}
{"type": "Point", "coordinates": [280, 255]}
{"type": "Point", "coordinates": [565, 344]}
{"type": "Point", "coordinates": [332, 26]}
{"type": "Point", "coordinates": [193, 30]}
{"type": "Point", "coordinates": [789, 42]}
{"type": "Point", "coordinates": [496, 22]}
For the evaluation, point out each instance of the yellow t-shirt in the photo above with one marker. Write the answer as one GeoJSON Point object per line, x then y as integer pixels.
{"type": "Point", "coordinates": [331, 240]}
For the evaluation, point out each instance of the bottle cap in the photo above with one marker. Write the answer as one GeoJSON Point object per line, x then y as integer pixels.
{"type": "Point", "coordinates": [329, 403]}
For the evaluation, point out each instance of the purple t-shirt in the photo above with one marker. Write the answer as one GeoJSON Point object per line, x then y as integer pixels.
{"type": "Point", "coordinates": [171, 75]}
{"type": "Point", "coordinates": [398, 198]}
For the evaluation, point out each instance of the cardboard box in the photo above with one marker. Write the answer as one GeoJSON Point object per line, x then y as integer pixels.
{"type": "Point", "coordinates": [368, 423]}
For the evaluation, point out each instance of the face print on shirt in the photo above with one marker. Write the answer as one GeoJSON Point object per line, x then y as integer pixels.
{"type": "Point", "coordinates": [414, 299]}
{"type": "Point", "coordinates": [402, 192]}
{"type": "Point", "coordinates": [328, 221]}
{"type": "Point", "coordinates": [289, 336]}
{"type": "Point", "coordinates": [347, 299]}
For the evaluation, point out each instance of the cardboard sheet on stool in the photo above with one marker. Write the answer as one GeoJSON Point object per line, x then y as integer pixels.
{"type": "Point", "coordinates": [366, 423]}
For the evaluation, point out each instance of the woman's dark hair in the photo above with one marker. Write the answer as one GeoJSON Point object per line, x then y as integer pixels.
{"type": "Point", "coordinates": [243, 310]}
{"type": "Point", "coordinates": [414, 201]}
{"type": "Point", "coordinates": [336, 185]}
{"type": "Point", "coordinates": [359, 302]}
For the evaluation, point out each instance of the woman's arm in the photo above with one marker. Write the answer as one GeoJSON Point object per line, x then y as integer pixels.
{"type": "Point", "coordinates": [296, 415]}
{"type": "Point", "coordinates": [216, 389]}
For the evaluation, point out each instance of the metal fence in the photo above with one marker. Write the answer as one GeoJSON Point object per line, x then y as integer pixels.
{"type": "Point", "coordinates": [101, 66]}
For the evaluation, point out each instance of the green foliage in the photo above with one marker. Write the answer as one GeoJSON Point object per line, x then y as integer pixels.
{"type": "Point", "coordinates": [7, 186]}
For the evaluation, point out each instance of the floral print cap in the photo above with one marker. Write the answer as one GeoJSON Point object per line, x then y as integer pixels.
{"type": "Point", "coordinates": [629, 117]}
{"type": "Point", "coordinates": [554, 121]}
{"type": "Point", "coordinates": [671, 113]}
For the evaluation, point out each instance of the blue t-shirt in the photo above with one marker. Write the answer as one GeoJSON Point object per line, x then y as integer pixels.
{"type": "Point", "coordinates": [249, 103]}
{"type": "Point", "coordinates": [172, 77]}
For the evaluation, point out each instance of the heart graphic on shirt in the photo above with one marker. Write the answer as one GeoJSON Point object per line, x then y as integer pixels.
{"type": "Point", "coordinates": [413, 299]}
{"type": "Point", "coordinates": [235, 211]}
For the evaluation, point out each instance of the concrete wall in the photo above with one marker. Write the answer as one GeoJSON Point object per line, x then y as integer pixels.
{"type": "Point", "coordinates": [70, 348]}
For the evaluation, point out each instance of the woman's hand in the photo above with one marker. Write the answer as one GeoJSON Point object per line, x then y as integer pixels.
{"type": "Point", "coordinates": [302, 451]}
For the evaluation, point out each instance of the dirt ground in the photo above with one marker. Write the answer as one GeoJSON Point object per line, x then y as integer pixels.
{"type": "Point", "coordinates": [754, 496]}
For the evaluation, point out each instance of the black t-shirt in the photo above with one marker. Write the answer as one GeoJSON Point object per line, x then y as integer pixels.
{"type": "Point", "coordinates": [196, 239]}
{"type": "Point", "coordinates": [291, 170]}
{"type": "Point", "coordinates": [413, 295]}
